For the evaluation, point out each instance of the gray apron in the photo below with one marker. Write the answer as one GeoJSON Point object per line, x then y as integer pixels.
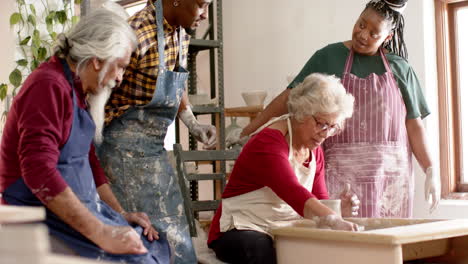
{"type": "Point", "coordinates": [136, 162]}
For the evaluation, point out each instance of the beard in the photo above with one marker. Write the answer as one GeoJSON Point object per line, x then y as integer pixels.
{"type": "Point", "coordinates": [97, 103]}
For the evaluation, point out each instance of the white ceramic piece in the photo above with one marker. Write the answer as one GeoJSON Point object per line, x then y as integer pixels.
{"type": "Point", "coordinates": [254, 98]}
{"type": "Point", "coordinates": [333, 204]}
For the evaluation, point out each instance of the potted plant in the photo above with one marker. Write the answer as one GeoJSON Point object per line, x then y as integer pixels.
{"type": "Point", "coordinates": [37, 24]}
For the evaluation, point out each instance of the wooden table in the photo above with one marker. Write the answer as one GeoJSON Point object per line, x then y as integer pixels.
{"type": "Point", "coordinates": [389, 241]}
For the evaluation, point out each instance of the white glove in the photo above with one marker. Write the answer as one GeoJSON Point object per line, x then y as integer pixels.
{"type": "Point", "coordinates": [234, 138]}
{"type": "Point", "coordinates": [349, 202]}
{"type": "Point", "coordinates": [335, 222]}
{"type": "Point", "coordinates": [432, 188]}
{"type": "Point", "coordinates": [206, 134]}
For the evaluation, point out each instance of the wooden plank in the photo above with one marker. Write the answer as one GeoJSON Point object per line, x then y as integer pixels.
{"type": "Point", "coordinates": [205, 205]}
{"type": "Point", "coordinates": [59, 259]}
{"type": "Point", "coordinates": [205, 176]}
{"type": "Point", "coordinates": [209, 155]}
{"type": "Point", "coordinates": [21, 214]}
{"type": "Point", "coordinates": [24, 240]}
{"type": "Point", "coordinates": [426, 249]}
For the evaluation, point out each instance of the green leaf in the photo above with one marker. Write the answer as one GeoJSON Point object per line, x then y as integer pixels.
{"type": "Point", "coordinates": [42, 53]}
{"type": "Point", "coordinates": [22, 62]}
{"type": "Point", "coordinates": [36, 38]}
{"type": "Point", "coordinates": [61, 16]}
{"type": "Point", "coordinates": [25, 41]}
{"type": "Point", "coordinates": [16, 77]}
{"type": "Point", "coordinates": [15, 18]}
{"type": "Point", "coordinates": [34, 64]}
{"type": "Point", "coordinates": [32, 20]}
{"type": "Point", "coordinates": [50, 22]}
{"type": "Point", "coordinates": [33, 9]}
{"type": "Point", "coordinates": [21, 2]}
{"type": "Point", "coordinates": [35, 51]}
{"type": "Point", "coordinates": [53, 35]}
{"type": "Point", "coordinates": [75, 20]}
{"type": "Point", "coordinates": [77, 2]}
{"type": "Point", "coordinates": [3, 91]}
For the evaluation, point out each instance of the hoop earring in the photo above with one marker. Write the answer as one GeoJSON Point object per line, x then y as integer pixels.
{"type": "Point", "coordinates": [176, 3]}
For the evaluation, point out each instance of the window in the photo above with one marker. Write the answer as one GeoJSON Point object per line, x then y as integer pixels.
{"type": "Point", "coordinates": [452, 65]}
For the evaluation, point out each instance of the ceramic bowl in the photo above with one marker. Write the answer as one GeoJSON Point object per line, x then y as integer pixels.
{"type": "Point", "coordinates": [254, 98]}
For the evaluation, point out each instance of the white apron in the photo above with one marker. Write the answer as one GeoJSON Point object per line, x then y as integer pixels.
{"type": "Point", "coordinates": [258, 209]}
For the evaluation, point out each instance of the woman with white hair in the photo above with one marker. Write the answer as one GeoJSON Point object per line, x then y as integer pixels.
{"type": "Point", "coordinates": [279, 174]}
{"type": "Point", "coordinates": [47, 157]}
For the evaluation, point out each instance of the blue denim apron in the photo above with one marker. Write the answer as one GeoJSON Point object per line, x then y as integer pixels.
{"type": "Point", "coordinates": [136, 162]}
{"type": "Point", "coordinates": [75, 169]}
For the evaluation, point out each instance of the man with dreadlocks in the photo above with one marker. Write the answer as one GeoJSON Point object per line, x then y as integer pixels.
{"type": "Point", "coordinates": [373, 153]}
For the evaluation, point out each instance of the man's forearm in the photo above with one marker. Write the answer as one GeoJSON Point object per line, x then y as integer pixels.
{"type": "Point", "coordinates": [69, 209]}
{"type": "Point", "coordinates": [106, 194]}
{"type": "Point", "coordinates": [184, 102]}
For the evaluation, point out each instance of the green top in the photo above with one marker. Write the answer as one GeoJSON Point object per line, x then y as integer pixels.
{"type": "Point", "coordinates": [332, 59]}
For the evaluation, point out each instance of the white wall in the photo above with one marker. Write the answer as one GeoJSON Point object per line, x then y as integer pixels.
{"type": "Point", "coordinates": [267, 41]}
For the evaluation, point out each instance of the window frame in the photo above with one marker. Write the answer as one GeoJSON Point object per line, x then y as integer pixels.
{"type": "Point", "coordinates": [451, 166]}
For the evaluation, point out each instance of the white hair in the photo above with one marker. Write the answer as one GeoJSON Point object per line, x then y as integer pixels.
{"type": "Point", "coordinates": [102, 34]}
{"type": "Point", "coordinates": [320, 93]}
{"type": "Point", "coordinates": [111, 6]}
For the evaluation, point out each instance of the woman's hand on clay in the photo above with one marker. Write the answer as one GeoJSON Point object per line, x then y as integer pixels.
{"type": "Point", "coordinates": [335, 222]}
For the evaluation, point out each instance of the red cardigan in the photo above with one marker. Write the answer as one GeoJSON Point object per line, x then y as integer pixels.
{"type": "Point", "coordinates": [37, 127]}
{"type": "Point", "coordinates": [264, 161]}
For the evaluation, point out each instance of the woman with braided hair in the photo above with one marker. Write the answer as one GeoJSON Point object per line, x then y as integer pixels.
{"type": "Point", "coordinates": [373, 153]}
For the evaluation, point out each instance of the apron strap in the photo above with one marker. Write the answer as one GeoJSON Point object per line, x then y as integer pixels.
{"type": "Point", "coordinates": [349, 61]}
{"type": "Point", "coordinates": [290, 139]}
{"type": "Point", "coordinates": [271, 121]}
{"type": "Point", "coordinates": [69, 77]}
{"type": "Point", "coordinates": [182, 61]}
{"type": "Point", "coordinates": [162, 40]}
{"type": "Point", "coordinates": [385, 61]}
{"type": "Point", "coordinates": [160, 34]}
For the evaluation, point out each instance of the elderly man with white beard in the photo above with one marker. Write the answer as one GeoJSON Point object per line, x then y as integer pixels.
{"type": "Point", "coordinates": [47, 157]}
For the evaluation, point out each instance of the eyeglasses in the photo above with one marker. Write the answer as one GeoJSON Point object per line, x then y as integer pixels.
{"type": "Point", "coordinates": [331, 129]}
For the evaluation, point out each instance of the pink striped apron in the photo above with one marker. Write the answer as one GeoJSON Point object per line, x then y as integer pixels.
{"type": "Point", "coordinates": [373, 153]}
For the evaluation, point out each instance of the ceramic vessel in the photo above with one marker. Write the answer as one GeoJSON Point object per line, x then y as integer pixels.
{"type": "Point", "coordinates": [254, 98]}
{"type": "Point", "coordinates": [335, 205]}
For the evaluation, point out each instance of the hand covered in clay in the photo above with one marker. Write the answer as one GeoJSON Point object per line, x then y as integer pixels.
{"type": "Point", "coordinates": [349, 202]}
{"type": "Point", "coordinates": [234, 138]}
{"type": "Point", "coordinates": [335, 222]}
{"type": "Point", "coordinates": [432, 188]}
{"type": "Point", "coordinates": [119, 240]}
{"type": "Point", "coordinates": [206, 134]}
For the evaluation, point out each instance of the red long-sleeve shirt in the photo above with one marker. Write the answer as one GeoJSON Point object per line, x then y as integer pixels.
{"type": "Point", "coordinates": [37, 127]}
{"type": "Point", "coordinates": [264, 161]}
